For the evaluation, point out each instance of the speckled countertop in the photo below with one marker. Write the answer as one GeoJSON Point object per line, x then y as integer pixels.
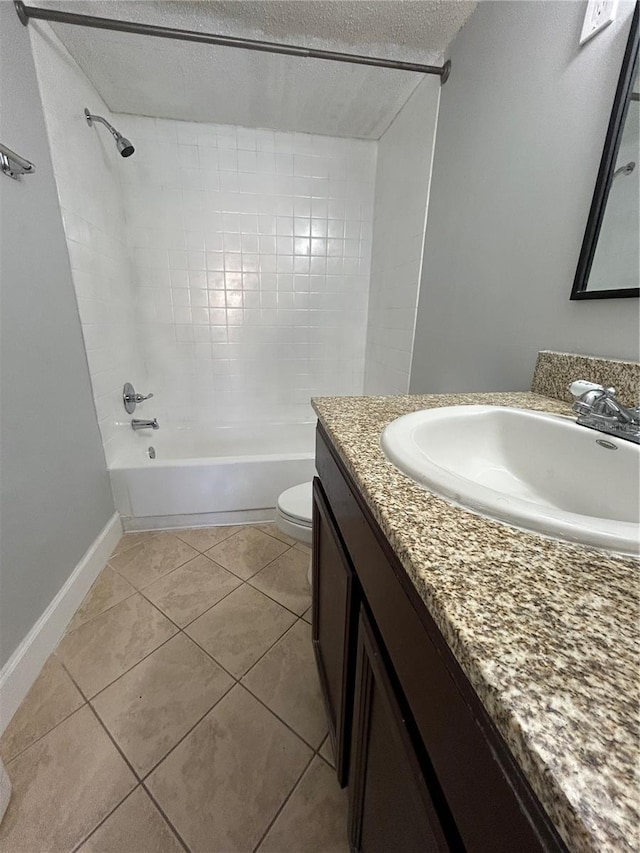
{"type": "Point", "coordinates": [546, 631]}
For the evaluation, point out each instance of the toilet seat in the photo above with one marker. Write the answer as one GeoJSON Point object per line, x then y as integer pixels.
{"type": "Point", "coordinates": [294, 512]}
{"type": "Point", "coordinates": [296, 504]}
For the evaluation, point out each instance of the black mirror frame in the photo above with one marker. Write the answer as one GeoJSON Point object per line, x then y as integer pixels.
{"type": "Point", "coordinates": [605, 175]}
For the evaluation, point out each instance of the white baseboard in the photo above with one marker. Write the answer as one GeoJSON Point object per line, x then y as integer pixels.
{"type": "Point", "coordinates": [133, 524]}
{"type": "Point", "coordinates": [24, 665]}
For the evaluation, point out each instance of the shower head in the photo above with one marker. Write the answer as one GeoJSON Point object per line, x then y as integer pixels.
{"type": "Point", "coordinates": [124, 146]}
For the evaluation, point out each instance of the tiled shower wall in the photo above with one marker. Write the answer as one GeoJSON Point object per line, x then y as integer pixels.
{"type": "Point", "coordinates": [87, 167]}
{"type": "Point", "coordinates": [405, 153]}
{"type": "Point", "coordinates": [251, 254]}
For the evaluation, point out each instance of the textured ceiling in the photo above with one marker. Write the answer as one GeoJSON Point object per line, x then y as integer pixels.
{"type": "Point", "coordinates": [169, 79]}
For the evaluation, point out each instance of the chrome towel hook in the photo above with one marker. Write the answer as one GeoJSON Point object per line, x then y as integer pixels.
{"type": "Point", "coordinates": [13, 164]}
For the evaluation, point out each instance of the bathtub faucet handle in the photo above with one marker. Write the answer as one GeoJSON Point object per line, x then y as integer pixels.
{"type": "Point", "coordinates": [131, 399]}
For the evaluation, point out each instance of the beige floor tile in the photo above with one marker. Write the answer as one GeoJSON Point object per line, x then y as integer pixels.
{"type": "Point", "coordinates": [109, 588]}
{"type": "Point", "coordinates": [285, 579]}
{"type": "Point", "coordinates": [131, 539]}
{"type": "Point", "coordinates": [287, 682]}
{"type": "Point", "coordinates": [247, 551]}
{"type": "Point", "coordinates": [136, 826]}
{"type": "Point", "coordinates": [148, 561]}
{"type": "Point", "coordinates": [187, 592]}
{"type": "Point", "coordinates": [203, 538]}
{"type": "Point", "coordinates": [238, 630]}
{"type": "Point", "coordinates": [63, 786]}
{"type": "Point", "coordinates": [307, 615]}
{"type": "Point", "coordinates": [314, 818]}
{"type": "Point", "coordinates": [100, 651]}
{"type": "Point", "coordinates": [154, 704]}
{"type": "Point", "coordinates": [52, 698]}
{"type": "Point", "coordinates": [304, 548]}
{"type": "Point", "coordinates": [224, 783]}
{"type": "Point", "coordinates": [326, 751]}
{"type": "Point", "coordinates": [272, 529]}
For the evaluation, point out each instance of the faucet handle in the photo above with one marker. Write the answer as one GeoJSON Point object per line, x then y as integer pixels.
{"type": "Point", "coordinates": [581, 386]}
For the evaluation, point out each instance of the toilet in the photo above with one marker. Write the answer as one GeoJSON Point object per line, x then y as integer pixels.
{"type": "Point", "coordinates": [294, 512]}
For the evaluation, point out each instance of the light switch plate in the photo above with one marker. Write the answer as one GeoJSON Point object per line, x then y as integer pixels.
{"type": "Point", "coordinates": [599, 14]}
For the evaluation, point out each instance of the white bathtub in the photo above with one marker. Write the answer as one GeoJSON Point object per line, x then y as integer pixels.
{"type": "Point", "coordinates": [210, 475]}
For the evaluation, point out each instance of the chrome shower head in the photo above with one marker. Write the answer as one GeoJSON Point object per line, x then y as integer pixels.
{"type": "Point", "coordinates": [124, 146]}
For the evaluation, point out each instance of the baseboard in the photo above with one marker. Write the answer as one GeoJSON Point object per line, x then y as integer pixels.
{"type": "Point", "coordinates": [202, 519]}
{"type": "Point", "coordinates": [24, 665]}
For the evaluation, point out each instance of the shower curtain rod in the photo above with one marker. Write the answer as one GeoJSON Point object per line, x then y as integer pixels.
{"type": "Point", "coordinates": [27, 12]}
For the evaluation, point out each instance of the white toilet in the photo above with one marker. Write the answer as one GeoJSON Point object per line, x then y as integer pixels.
{"type": "Point", "coordinates": [294, 512]}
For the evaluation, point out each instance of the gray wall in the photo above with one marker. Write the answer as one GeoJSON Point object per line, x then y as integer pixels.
{"type": "Point", "coordinates": [54, 488]}
{"type": "Point", "coordinates": [521, 127]}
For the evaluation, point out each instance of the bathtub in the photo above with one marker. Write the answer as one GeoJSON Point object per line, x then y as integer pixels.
{"type": "Point", "coordinates": [212, 475]}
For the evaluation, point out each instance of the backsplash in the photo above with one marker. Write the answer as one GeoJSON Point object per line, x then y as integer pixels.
{"type": "Point", "coordinates": [555, 371]}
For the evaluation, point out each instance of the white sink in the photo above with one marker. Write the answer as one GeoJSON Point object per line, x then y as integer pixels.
{"type": "Point", "coordinates": [533, 470]}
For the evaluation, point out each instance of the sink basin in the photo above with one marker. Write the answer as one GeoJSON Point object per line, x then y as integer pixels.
{"type": "Point", "coordinates": [533, 470]}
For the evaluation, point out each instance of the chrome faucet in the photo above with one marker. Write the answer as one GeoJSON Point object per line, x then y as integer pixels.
{"type": "Point", "coordinates": [137, 424]}
{"type": "Point", "coordinates": [597, 408]}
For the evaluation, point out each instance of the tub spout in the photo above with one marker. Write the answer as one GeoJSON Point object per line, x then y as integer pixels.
{"type": "Point", "coordinates": [137, 424]}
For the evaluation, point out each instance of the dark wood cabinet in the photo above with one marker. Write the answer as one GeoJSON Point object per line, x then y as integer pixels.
{"type": "Point", "coordinates": [334, 616]}
{"type": "Point", "coordinates": [391, 806]}
{"type": "Point", "coordinates": [427, 769]}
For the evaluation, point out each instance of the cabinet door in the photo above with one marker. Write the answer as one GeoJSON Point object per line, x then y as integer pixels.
{"type": "Point", "coordinates": [390, 804]}
{"type": "Point", "coordinates": [334, 617]}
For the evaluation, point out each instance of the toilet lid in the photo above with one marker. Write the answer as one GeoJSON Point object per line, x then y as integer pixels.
{"type": "Point", "coordinates": [296, 503]}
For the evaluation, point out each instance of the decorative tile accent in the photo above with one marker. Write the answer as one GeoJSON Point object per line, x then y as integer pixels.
{"type": "Point", "coordinates": [555, 371]}
{"type": "Point", "coordinates": [52, 698]}
{"type": "Point", "coordinates": [238, 630]}
{"type": "Point", "coordinates": [287, 682]}
{"type": "Point", "coordinates": [154, 704]}
{"type": "Point", "coordinates": [136, 826]}
{"type": "Point", "coordinates": [247, 551]}
{"type": "Point", "coordinates": [50, 808]}
{"type": "Point", "coordinates": [285, 579]}
{"type": "Point", "coordinates": [314, 818]}
{"type": "Point", "coordinates": [102, 650]}
{"type": "Point", "coordinates": [153, 558]}
{"type": "Point", "coordinates": [545, 630]}
{"type": "Point", "coordinates": [240, 762]}
{"type": "Point", "coordinates": [185, 593]}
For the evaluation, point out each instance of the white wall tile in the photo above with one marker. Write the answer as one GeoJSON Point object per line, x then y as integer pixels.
{"type": "Point", "coordinates": [237, 290]}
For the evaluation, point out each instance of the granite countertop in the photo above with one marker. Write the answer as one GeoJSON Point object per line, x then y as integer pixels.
{"type": "Point", "coordinates": [546, 631]}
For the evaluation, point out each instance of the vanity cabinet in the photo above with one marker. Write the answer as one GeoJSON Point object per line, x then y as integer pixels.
{"type": "Point", "coordinates": [334, 623]}
{"type": "Point", "coordinates": [391, 806]}
{"type": "Point", "coordinates": [425, 766]}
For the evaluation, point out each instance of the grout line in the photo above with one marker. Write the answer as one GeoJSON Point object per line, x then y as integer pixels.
{"type": "Point", "coordinates": [105, 818]}
{"type": "Point", "coordinates": [283, 804]}
{"type": "Point", "coordinates": [165, 816]}
{"type": "Point", "coordinates": [90, 698]}
{"type": "Point", "coordinates": [148, 773]}
{"type": "Point", "coordinates": [68, 633]}
{"type": "Point", "coordinates": [48, 731]}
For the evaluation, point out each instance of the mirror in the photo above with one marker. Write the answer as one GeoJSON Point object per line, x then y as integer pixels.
{"type": "Point", "coordinates": [609, 264]}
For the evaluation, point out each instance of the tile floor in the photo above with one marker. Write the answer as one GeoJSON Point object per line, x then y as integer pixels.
{"type": "Point", "coordinates": [181, 710]}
